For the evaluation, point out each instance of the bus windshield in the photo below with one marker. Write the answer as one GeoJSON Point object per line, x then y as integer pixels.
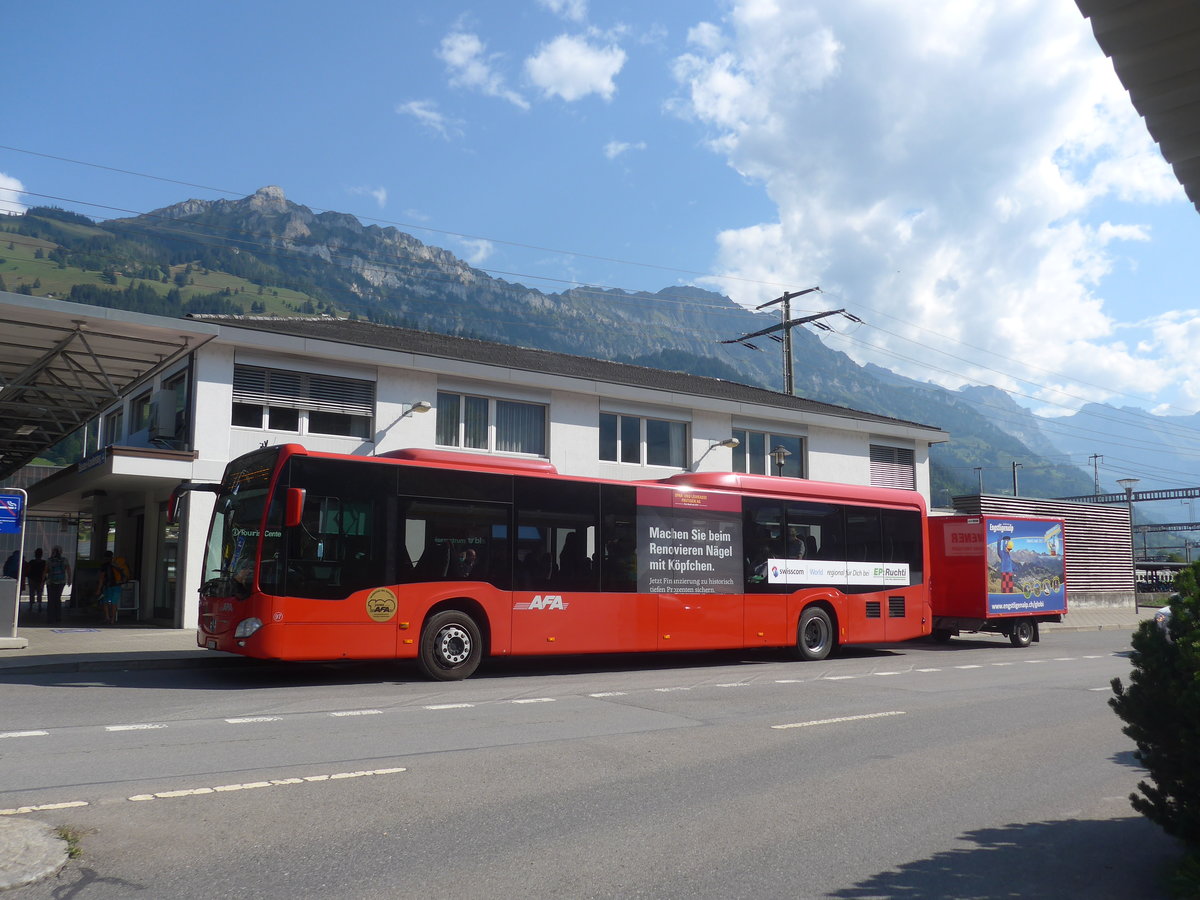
{"type": "Point", "coordinates": [236, 523]}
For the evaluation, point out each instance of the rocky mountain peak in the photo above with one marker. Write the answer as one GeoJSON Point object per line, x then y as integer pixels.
{"type": "Point", "coordinates": [268, 199]}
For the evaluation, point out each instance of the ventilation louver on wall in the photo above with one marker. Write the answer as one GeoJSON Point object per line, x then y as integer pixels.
{"type": "Point", "coordinates": [301, 390]}
{"type": "Point", "coordinates": [893, 467]}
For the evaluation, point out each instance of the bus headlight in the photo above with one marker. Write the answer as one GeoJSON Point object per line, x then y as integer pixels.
{"type": "Point", "coordinates": [247, 627]}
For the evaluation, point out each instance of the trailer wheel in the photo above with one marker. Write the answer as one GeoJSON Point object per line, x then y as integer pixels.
{"type": "Point", "coordinates": [451, 646]}
{"type": "Point", "coordinates": [1022, 633]}
{"type": "Point", "coordinates": [814, 634]}
{"type": "Point", "coordinates": [941, 635]}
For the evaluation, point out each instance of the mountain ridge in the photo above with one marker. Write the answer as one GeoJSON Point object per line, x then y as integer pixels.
{"type": "Point", "coordinates": [266, 254]}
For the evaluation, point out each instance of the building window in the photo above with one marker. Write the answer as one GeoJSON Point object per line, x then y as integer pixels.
{"type": "Point", "coordinates": [753, 456]}
{"type": "Point", "coordinates": [482, 423]}
{"type": "Point", "coordinates": [893, 467]}
{"type": "Point", "coordinates": [139, 413]}
{"type": "Point", "coordinates": [642, 441]}
{"type": "Point", "coordinates": [113, 427]}
{"type": "Point", "coordinates": [175, 394]}
{"type": "Point", "coordinates": [302, 403]}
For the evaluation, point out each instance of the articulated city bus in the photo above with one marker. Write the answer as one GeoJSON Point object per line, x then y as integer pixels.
{"type": "Point", "coordinates": [448, 557]}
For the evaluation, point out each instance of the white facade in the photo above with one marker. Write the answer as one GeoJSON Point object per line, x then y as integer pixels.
{"type": "Point", "coordinates": [128, 477]}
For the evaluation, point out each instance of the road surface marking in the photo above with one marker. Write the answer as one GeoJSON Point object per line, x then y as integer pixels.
{"type": "Point", "coordinates": [11, 734]}
{"type": "Point", "coordinates": [929, 670]}
{"type": "Point", "coordinates": [255, 785]}
{"type": "Point", "coordinates": [879, 715]}
{"type": "Point", "coordinates": [609, 694]}
{"type": "Point", "coordinates": [358, 712]}
{"type": "Point", "coordinates": [840, 677]}
{"type": "Point", "coordinates": [144, 726]}
{"type": "Point", "coordinates": [668, 690]}
{"type": "Point", "coordinates": [535, 700]}
{"type": "Point", "coordinates": [888, 673]}
{"type": "Point", "coordinates": [451, 706]}
{"type": "Point", "coordinates": [789, 681]}
{"type": "Point", "coordinates": [735, 684]}
{"type": "Point", "coordinates": [45, 807]}
{"type": "Point", "coordinates": [969, 667]}
{"type": "Point", "coordinates": [249, 720]}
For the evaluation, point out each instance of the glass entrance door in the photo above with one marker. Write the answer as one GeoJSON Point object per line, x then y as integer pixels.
{"type": "Point", "coordinates": [166, 586]}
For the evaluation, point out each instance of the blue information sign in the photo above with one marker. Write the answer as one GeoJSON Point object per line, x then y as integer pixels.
{"type": "Point", "coordinates": [11, 508]}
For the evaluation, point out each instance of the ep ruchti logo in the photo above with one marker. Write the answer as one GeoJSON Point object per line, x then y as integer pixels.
{"type": "Point", "coordinates": [543, 601]}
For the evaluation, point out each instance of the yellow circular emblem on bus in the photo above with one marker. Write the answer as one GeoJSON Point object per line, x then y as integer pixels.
{"type": "Point", "coordinates": [381, 605]}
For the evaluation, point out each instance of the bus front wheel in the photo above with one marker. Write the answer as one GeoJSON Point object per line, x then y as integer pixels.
{"type": "Point", "coordinates": [451, 646]}
{"type": "Point", "coordinates": [814, 635]}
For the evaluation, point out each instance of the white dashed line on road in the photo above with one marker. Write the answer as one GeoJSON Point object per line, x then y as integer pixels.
{"type": "Point", "coordinates": [451, 706]}
{"type": "Point", "coordinates": [879, 715]}
{"type": "Point", "coordinates": [250, 720]}
{"type": "Point", "coordinates": [142, 726]}
{"type": "Point", "coordinates": [255, 785]}
{"type": "Point", "coordinates": [21, 734]}
{"type": "Point", "coordinates": [535, 700]}
{"type": "Point", "coordinates": [45, 807]}
{"type": "Point", "coordinates": [356, 712]}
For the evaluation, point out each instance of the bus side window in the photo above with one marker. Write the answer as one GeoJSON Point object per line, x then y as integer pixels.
{"type": "Point", "coordinates": [556, 534]}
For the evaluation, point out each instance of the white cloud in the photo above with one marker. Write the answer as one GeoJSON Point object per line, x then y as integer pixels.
{"type": "Point", "coordinates": [470, 66]}
{"type": "Point", "coordinates": [571, 68]}
{"type": "Point", "coordinates": [613, 149]}
{"type": "Point", "coordinates": [10, 195]}
{"type": "Point", "coordinates": [477, 250]}
{"type": "Point", "coordinates": [571, 10]}
{"type": "Point", "coordinates": [427, 113]}
{"type": "Point", "coordinates": [378, 194]}
{"type": "Point", "coordinates": [933, 167]}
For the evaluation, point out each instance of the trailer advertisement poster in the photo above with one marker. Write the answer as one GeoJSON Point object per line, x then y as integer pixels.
{"type": "Point", "coordinates": [1025, 566]}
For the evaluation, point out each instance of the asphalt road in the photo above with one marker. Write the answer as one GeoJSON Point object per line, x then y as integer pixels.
{"type": "Point", "coordinates": [967, 770]}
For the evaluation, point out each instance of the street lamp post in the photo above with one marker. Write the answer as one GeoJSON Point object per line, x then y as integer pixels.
{"type": "Point", "coordinates": [1127, 484]}
{"type": "Point", "coordinates": [780, 455]}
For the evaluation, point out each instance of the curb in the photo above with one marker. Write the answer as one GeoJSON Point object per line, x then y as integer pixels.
{"type": "Point", "coordinates": [29, 852]}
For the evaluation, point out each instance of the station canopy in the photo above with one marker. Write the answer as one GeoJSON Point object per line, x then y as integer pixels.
{"type": "Point", "coordinates": [61, 364]}
{"type": "Point", "coordinates": [1155, 48]}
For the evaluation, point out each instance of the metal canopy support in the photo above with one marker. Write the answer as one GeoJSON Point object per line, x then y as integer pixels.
{"type": "Point", "coordinates": [58, 371]}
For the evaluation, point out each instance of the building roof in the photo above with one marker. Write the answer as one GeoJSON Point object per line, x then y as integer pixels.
{"type": "Point", "coordinates": [1155, 48]}
{"type": "Point", "coordinates": [387, 337]}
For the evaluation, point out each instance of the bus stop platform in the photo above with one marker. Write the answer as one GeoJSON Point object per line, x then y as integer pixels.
{"type": "Point", "coordinates": [80, 646]}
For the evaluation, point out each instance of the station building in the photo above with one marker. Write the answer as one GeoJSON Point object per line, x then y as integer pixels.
{"type": "Point", "coordinates": [155, 401]}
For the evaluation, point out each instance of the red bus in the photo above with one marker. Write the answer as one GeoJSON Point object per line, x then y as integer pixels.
{"type": "Point", "coordinates": [448, 557]}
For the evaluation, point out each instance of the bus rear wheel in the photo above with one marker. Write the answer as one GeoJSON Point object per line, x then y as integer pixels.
{"type": "Point", "coordinates": [451, 646]}
{"type": "Point", "coordinates": [814, 634]}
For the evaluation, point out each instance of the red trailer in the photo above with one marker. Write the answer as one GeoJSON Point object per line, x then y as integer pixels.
{"type": "Point", "coordinates": [998, 574]}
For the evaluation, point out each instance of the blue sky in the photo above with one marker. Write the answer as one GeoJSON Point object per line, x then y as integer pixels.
{"type": "Point", "coordinates": [969, 178]}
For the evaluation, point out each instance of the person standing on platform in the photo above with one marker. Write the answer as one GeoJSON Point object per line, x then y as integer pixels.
{"type": "Point", "coordinates": [58, 576]}
{"type": "Point", "coordinates": [35, 579]}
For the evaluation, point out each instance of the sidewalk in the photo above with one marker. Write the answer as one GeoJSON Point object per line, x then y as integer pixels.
{"type": "Point", "coordinates": [82, 643]}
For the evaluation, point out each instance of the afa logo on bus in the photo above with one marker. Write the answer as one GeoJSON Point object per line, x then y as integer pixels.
{"type": "Point", "coordinates": [546, 601]}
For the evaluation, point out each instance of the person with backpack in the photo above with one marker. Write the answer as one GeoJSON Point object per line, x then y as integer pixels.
{"type": "Point", "coordinates": [108, 586]}
{"type": "Point", "coordinates": [58, 576]}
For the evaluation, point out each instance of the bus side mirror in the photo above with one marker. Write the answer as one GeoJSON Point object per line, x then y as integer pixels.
{"type": "Point", "coordinates": [294, 510]}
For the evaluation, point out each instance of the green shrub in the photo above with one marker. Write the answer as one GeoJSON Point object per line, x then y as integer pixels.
{"type": "Point", "coordinates": [1161, 709]}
